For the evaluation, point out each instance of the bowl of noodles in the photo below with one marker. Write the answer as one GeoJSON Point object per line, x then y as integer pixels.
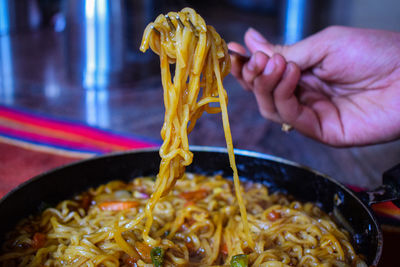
{"type": "Point", "coordinates": [84, 214]}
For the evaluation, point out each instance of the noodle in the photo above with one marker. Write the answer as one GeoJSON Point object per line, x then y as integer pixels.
{"type": "Point", "coordinates": [202, 61]}
{"type": "Point", "coordinates": [198, 223]}
{"type": "Point", "coordinates": [178, 218]}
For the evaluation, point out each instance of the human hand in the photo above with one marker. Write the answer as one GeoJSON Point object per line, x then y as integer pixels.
{"type": "Point", "coordinates": [340, 86]}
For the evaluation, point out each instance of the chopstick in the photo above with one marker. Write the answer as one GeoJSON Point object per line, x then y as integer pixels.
{"type": "Point", "coordinates": [238, 55]}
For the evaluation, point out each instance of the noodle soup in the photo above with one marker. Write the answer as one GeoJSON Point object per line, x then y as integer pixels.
{"type": "Point", "coordinates": [197, 224]}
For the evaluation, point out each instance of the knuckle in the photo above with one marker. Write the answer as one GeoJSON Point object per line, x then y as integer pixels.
{"type": "Point", "coordinates": [279, 49]}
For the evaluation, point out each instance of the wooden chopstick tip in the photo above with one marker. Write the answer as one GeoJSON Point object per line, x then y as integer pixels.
{"type": "Point", "coordinates": [238, 55]}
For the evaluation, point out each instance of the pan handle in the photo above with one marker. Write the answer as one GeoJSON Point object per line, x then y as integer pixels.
{"type": "Point", "coordinates": [388, 191]}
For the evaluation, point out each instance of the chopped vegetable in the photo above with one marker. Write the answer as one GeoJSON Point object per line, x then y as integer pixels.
{"type": "Point", "coordinates": [224, 249]}
{"type": "Point", "coordinates": [194, 195]}
{"type": "Point", "coordinates": [140, 195]}
{"type": "Point", "coordinates": [144, 251]}
{"type": "Point", "coordinates": [273, 216]}
{"type": "Point", "coordinates": [118, 205]}
{"type": "Point", "coordinates": [131, 261]}
{"type": "Point", "coordinates": [39, 240]}
{"type": "Point", "coordinates": [240, 260]}
{"type": "Point", "coordinates": [122, 194]}
{"type": "Point", "coordinates": [157, 256]}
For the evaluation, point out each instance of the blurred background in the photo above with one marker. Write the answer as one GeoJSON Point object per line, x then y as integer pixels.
{"type": "Point", "coordinates": [79, 60]}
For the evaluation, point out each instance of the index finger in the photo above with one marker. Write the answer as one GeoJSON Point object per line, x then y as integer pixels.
{"type": "Point", "coordinates": [237, 64]}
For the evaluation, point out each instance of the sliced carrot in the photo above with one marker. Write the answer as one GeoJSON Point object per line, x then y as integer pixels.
{"type": "Point", "coordinates": [194, 195]}
{"type": "Point", "coordinates": [118, 205]}
{"type": "Point", "coordinates": [273, 216]}
{"type": "Point", "coordinates": [144, 251]}
{"type": "Point", "coordinates": [189, 203]}
{"type": "Point", "coordinates": [39, 240]}
{"type": "Point", "coordinates": [131, 261]}
{"type": "Point", "coordinates": [224, 248]}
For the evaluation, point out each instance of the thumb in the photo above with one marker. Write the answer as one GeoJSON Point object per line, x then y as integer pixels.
{"type": "Point", "coordinates": [305, 53]}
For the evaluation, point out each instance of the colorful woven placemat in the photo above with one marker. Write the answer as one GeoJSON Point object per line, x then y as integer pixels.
{"type": "Point", "coordinates": [44, 132]}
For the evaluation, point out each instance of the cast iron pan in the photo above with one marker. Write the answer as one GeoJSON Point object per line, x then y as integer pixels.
{"type": "Point", "coordinates": [349, 210]}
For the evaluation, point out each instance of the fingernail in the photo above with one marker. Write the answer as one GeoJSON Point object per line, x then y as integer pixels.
{"type": "Point", "coordinates": [289, 68]}
{"type": "Point", "coordinates": [256, 35]}
{"type": "Point", "coordinates": [270, 66]}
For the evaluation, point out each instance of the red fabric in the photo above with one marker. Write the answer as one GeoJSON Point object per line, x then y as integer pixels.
{"type": "Point", "coordinates": [18, 164]}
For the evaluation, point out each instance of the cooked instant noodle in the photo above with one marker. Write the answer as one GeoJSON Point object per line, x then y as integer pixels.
{"type": "Point", "coordinates": [178, 219]}
{"type": "Point", "coordinates": [198, 223]}
{"type": "Point", "coordinates": [201, 62]}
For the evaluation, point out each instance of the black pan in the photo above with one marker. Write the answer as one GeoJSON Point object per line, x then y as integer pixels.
{"type": "Point", "coordinates": [351, 211]}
